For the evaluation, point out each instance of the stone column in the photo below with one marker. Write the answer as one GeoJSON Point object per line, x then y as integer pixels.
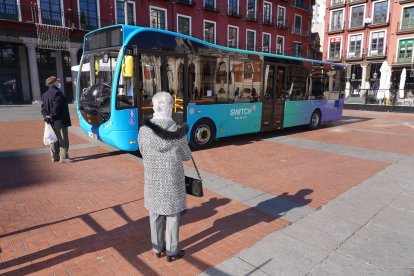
{"type": "Point", "coordinates": [348, 83]}
{"type": "Point", "coordinates": [34, 72]}
{"type": "Point", "coordinates": [59, 70]}
{"type": "Point", "coordinates": [73, 62]}
{"type": "Point", "coordinates": [363, 78]}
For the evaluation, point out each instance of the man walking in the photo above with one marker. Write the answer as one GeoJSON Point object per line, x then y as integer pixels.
{"type": "Point", "coordinates": [55, 111]}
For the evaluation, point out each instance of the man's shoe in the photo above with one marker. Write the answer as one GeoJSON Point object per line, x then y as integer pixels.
{"type": "Point", "coordinates": [65, 160]}
{"type": "Point", "coordinates": [55, 160]}
{"type": "Point", "coordinates": [177, 256]}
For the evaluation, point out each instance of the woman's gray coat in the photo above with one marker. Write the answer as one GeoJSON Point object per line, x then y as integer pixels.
{"type": "Point", "coordinates": [164, 148]}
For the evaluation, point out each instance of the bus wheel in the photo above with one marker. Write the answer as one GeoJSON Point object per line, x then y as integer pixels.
{"type": "Point", "coordinates": [202, 134]}
{"type": "Point", "coordinates": [315, 120]}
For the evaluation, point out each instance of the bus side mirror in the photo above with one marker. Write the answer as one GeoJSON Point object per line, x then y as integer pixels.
{"type": "Point", "coordinates": [128, 66]}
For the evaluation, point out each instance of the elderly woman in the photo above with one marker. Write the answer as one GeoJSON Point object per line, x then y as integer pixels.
{"type": "Point", "coordinates": [164, 147]}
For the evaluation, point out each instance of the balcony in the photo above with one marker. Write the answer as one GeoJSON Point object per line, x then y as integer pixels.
{"type": "Point", "coordinates": [208, 7]}
{"type": "Point", "coordinates": [282, 24]}
{"type": "Point", "coordinates": [356, 2]}
{"type": "Point", "coordinates": [355, 56]}
{"type": "Point", "coordinates": [335, 57]}
{"type": "Point", "coordinates": [405, 28]}
{"type": "Point", "coordinates": [9, 12]}
{"type": "Point", "coordinates": [377, 54]}
{"type": "Point", "coordinates": [356, 24]}
{"type": "Point", "coordinates": [251, 17]}
{"type": "Point", "coordinates": [403, 59]}
{"type": "Point", "coordinates": [336, 28]}
{"type": "Point", "coordinates": [234, 13]}
{"type": "Point", "coordinates": [300, 31]}
{"type": "Point", "coordinates": [379, 20]}
{"type": "Point", "coordinates": [190, 3]}
{"type": "Point", "coordinates": [268, 21]}
{"type": "Point", "coordinates": [335, 4]}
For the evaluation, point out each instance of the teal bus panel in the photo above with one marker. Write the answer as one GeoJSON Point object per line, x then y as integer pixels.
{"type": "Point", "coordinates": [229, 119]}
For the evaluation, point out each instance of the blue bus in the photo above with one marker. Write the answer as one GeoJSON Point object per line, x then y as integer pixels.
{"type": "Point", "coordinates": [218, 91]}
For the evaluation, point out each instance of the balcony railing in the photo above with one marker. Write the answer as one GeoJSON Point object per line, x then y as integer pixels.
{"type": "Point", "coordinates": [336, 28]}
{"type": "Point", "coordinates": [380, 18]}
{"type": "Point", "coordinates": [251, 17]}
{"type": "Point", "coordinates": [233, 12]}
{"type": "Point", "coordinates": [282, 23]}
{"type": "Point", "coordinates": [357, 22]}
{"type": "Point", "coordinates": [300, 31]}
{"type": "Point", "coordinates": [190, 3]}
{"type": "Point", "coordinates": [209, 7]}
{"type": "Point", "coordinates": [268, 21]}
{"type": "Point", "coordinates": [403, 59]}
{"type": "Point", "coordinates": [358, 54]}
{"type": "Point", "coordinates": [334, 56]}
{"type": "Point", "coordinates": [337, 2]}
{"type": "Point", "coordinates": [407, 27]}
{"type": "Point", "coordinates": [9, 11]}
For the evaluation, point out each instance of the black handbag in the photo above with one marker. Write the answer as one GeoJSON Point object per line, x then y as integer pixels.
{"type": "Point", "coordinates": [194, 186]}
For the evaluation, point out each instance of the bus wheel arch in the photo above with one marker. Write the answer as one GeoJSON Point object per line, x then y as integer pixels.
{"type": "Point", "coordinates": [202, 133]}
{"type": "Point", "coordinates": [315, 119]}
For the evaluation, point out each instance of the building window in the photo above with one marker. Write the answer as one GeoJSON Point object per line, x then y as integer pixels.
{"type": "Point", "coordinates": [380, 12]}
{"type": "Point", "coordinates": [7, 54]}
{"type": "Point", "coordinates": [50, 11]}
{"type": "Point", "coordinates": [120, 11]}
{"type": "Point", "coordinates": [355, 45]}
{"type": "Point", "coordinates": [210, 31]}
{"type": "Point", "coordinates": [251, 9]}
{"type": "Point", "coordinates": [281, 16]}
{"type": "Point", "coordinates": [266, 43]}
{"type": "Point", "coordinates": [297, 28]}
{"type": "Point", "coordinates": [267, 13]}
{"type": "Point", "coordinates": [408, 19]}
{"type": "Point", "coordinates": [158, 20]}
{"type": "Point", "coordinates": [250, 40]}
{"type": "Point", "coordinates": [184, 25]}
{"type": "Point", "coordinates": [299, 3]}
{"type": "Point", "coordinates": [88, 14]}
{"type": "Point", "coordinates": [297, 49]}
{"type": "Point", "coordinates": [210, 4]}
{"type": "Point", "coordinates": [280, 45]}
{"type": "Point", "coordinates": [405, 51]}
{"type": "Point", "coordinates": [233, 37]}
{"type": "Point", "coordinates": [335, 48]}
{"type": "Point", "coordinates": [357, 16]}
{"type": "Point", "coordinates": [8, 10]}
{"type": "Point", "coordinates": [234, 7]}
{"type": "Point", "coordinates": [337, 19]}
{"type": "Point", "coordinates": [377, 43]}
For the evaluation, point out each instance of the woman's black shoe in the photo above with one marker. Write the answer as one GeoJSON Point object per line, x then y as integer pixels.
{"type": "Point", "coordinates": [177, 256]}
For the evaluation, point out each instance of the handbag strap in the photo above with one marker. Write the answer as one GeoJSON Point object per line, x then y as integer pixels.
{"type": "Point", "coordinates": [195, 166]}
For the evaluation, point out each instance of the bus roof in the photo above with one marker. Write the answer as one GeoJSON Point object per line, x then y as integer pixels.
{"type": "Point", "coordinates": [130, 31]}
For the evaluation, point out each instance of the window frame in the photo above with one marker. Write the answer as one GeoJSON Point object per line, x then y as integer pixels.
{"type": "Point", "coordinates": [402, 17]}
{"type": "Point", "coordinates": [98, 22]}
{"type": "Point", "coordinates": [165, 16]}
{"type": "Point", "coordinates": [204, 28]}
{"type": "Point", "coordinates": [270, 41]}
{"type": "Point", "coordinates": [340, 47]}
{"type": "Point", "coordinates": [230, 8]}
{"type": "Point", "coordinates": [361, 47]}
{"type": "Point", "coordinates": [254, 39]}
{"type": "Point", "coordinates": [387, 13]}
{"type": "Point", "coordinates": [384, 44]}
{"type": "Point", "coordinates": [294, 50]}
{"type": "Point", "coordinates": [363, 15]}
{"type": "Point", "coordinates": [279, 7]}
{"type": "Point", "coordinates": [398, 49]}
{"type": "Point", "coordinates": [331, 25]}
{"type": "Point", "coordinates": [294, 24]}
{"type": "Point", "coordinates": [255, 9]}
{"type": "Point", "coordinates": [283, 44]}
{"type": "Point", "coordinates": [134, 16]}
{"type": "Point", "coordinates": [237, 36]}
{"type": "Point", "coordinates": [270, 9]}
{"type": "Point", "coordinates": [189, 23]}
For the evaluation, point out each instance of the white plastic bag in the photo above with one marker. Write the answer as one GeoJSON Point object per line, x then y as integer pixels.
{"type": "Point", "coordinates": [49, 136]}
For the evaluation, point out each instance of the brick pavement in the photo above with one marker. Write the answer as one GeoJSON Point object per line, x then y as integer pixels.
{"type": "Point", "coordinates": [87, 218]}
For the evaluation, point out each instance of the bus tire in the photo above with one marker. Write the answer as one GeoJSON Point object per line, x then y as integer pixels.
{"type": "Point", "coordinates": [315, 120]}
{"type": "Point", "coordinates": [202, 134]}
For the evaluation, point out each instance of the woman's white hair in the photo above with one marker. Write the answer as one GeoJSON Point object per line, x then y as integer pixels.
{"type": "Point", "coordinates": [162, 102]}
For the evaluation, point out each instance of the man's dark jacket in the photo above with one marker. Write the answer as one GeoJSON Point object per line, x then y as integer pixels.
{"type": "Point", "coordinates": [56, 107]}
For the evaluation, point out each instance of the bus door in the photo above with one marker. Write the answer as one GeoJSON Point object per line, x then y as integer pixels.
{"type": "Point", "coordinates": [273, 101]}
{"type": "Point", "coordinates": [162, 73]}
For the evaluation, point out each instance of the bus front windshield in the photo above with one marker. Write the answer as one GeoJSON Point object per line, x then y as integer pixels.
{"type": "Point", "coordinates": [95, 82]}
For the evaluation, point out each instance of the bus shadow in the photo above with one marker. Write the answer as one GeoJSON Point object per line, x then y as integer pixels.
{"type": "Point", "coordinates": [250, 138]}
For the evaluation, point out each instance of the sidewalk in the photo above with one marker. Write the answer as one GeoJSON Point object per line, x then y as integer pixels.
{"type": "Point", "coordinates": [336, 201]}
